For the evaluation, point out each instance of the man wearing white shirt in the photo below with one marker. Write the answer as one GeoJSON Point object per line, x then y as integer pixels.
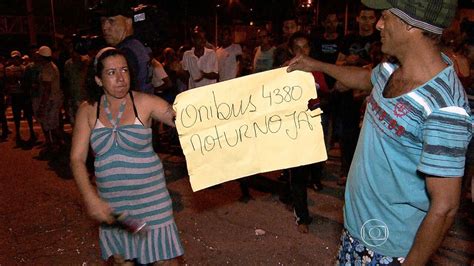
{"type": "Point", "coordinates": [200, 63]}
{"type": "Point", "coordinates": [229, 56]}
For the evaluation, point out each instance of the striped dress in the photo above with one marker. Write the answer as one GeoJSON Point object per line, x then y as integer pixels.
{"type": "Point", "coordinates": [129, 176]}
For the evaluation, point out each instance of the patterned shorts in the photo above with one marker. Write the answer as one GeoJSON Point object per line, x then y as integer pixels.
{"type": "Point", "coordinates": [353, 252]}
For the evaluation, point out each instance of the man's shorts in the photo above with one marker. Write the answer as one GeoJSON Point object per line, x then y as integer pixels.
{"type": "Point", "coordinates": [353, 252]}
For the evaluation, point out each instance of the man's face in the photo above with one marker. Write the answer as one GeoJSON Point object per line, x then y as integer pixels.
{"type": "Point", "coordinates": [17, 61]}
{"type": "Point", "coordinates": [300, 46]}
{"type": "Point", "coordinates": [115, 29]}
{"type": "Point", "coordinates": [35, 57]}
{"type": "Point", "coordinates": [263, 38]}
{"type": "Point", "coordinates": [330, 24]}
{"type": "Point", "coordinates": [289, 27]}
{"type": "Point", "coordinates": [67, 42]}
{"type": "Point", "coordinates": [226, 38]}
{"type": "Point", "coordinates": [366, 20]}
{"type": "Point", "coordinates": [198, 40]}
{"type": "Point", "coordinates": [391, 32]}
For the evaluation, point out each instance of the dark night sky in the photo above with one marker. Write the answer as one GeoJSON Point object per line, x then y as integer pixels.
{"type": "Point", "coordinates": [175, 16]}
{"type": "Point", "coordinates": [72, 12]}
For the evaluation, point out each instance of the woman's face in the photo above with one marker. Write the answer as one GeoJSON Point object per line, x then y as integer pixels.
{"type": "Point", "coordinates": [115, 77]}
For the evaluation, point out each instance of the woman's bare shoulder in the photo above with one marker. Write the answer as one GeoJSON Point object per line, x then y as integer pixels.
{"type": "Point", "coordinates": [87, 110]}
{"type": "Point", "coordinates": [143, 99]}
{"type": "Point", "coordinates": [86, 107]}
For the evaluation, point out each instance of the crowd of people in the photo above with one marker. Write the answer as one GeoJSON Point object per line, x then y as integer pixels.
{"type": "Point", "coordinates": [397, 96]}
{"type": "Point", "coordinates": [32, 87]}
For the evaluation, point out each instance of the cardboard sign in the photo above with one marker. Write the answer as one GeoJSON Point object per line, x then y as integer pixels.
{"type": "Point", "coordinates": [249, 125]}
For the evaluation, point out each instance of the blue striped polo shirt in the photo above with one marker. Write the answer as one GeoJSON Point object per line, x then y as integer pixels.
{"type": "Point", "coordinates": [403, 139]}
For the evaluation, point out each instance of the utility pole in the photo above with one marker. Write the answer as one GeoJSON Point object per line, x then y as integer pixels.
{"type": "Point", "coordinates": [31, 22]}
{"type": "Point", "coordinates": [54, 24]}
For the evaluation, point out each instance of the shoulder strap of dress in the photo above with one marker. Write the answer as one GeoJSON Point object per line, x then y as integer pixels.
{"type": "Point", "coordinates": [133, 103]}
{"type": "Point", "coordinates": [134, 107]}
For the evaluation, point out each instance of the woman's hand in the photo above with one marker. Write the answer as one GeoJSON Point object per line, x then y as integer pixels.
{"type": "Point", "coordinates": [99, 210]}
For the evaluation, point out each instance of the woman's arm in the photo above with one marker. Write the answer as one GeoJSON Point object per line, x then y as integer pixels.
{"type": "Point", "coordinates": [155, 108]}
{"type": "Point", "coordinates": [96, 207]}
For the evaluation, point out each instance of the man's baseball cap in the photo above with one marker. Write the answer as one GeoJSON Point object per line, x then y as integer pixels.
{"type": "Point", "coordinates": [112, 8]}
{"type": "Point", "coordinates": [45, 51]}
{"type": "Point", "coordinates": [15, 53]}
{"type": "Point", "coordinates": [430, 15]}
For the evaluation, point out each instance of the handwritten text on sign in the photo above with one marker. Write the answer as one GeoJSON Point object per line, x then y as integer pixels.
{"type": "Point", "coordinates": [249, 125]}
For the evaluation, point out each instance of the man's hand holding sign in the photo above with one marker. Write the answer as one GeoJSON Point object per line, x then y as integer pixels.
{"type": "Point", "coordinates": [249, 125]}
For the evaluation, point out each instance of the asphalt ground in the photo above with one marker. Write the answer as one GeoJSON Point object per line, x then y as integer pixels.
{"type": "Point", "coordinates": [43, 221]}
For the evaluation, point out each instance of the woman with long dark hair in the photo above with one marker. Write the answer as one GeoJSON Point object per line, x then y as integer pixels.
{"type": "Point", "coordinates": [131, 202]}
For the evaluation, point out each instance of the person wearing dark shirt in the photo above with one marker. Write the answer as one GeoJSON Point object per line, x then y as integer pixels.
{"type": "Point", "coordinates": [355, 52]}
{"type": "Point", "coordinates": [281, 54]}
{"type": "Point", "coordinates": [295, 190]}
{"type": "Point", "coordinates": [327, 47]}
{"type": "Point", "coordinates": [116, 19]}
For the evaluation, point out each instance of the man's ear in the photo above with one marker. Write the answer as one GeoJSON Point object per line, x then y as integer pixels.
{"type": "Point", "coordinates": [98, 81]}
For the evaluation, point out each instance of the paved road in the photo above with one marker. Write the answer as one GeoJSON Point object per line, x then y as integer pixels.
{"type": "Point", "coordinates": [44, 222]}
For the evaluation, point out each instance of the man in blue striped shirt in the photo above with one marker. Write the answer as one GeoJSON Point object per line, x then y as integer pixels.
{"type": "Point", "coordinates": [404, 184]}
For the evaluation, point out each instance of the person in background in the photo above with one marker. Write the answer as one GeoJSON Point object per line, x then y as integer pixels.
{"type": "Point", "coordinates": [200, 30]}
{"type": "Point", "coordinates": [163, 88]}
{"type": "Point", "coordinates": [451, 45]}
{"type": "Point", "coordinates": [161, 81]}
{"type": "Point", "coordinates": [178, 77]}
{"type": "Point", "coordinates": [3, 107]}
{"type": "Point", "coordinates": [117, 27]}
{"type": "Point", "coordinates": [20, 100]}
{"type": "Point", "coordinates": [297, 179]}
{"type": "Point", "coordinates": [32, 83]}
{"type": "Point", "coordinates": [75, 74]}
{"type": "Point", "coordinates": [26, 60]}
{"type": "Point", "coordinates": [404, 184]}
{"type": "Point", "coordinates": [355, 52]}
{"type": "Point", "coordinates": [327, 47]}
{"type": "Point", "coordinates": [282, 54]}
{"type": "Point", "coordinates": [200, 63]}
{"type": "Point", "coordinates": [172, 67]}
{"type": "Point", "coordinates": [246, 64]}
{"type": "Point", "coordinates": [50, 102]}
{"type": "Point", "coordinates": [182, 75]}
{"type": "Point", "coordinates": [263, 54]}
{"type": "Point", "coordinates": [229, 56]}
{"type": "Point", "coordinates": [115, 121]}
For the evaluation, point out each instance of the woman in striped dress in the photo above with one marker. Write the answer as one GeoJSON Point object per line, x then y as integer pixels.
{"type": "Point", "coordinates": [129, 175]}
